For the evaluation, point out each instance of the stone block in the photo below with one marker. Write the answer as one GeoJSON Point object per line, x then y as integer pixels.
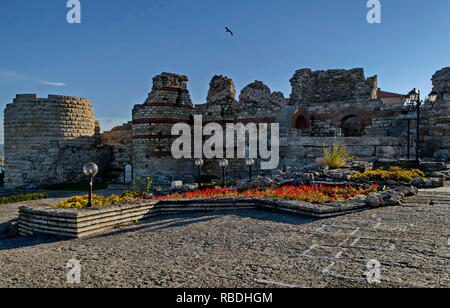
{"type": "Point", "coordinates": [363, 151]}
{"type": "Point", "coordinates": [387, 152]}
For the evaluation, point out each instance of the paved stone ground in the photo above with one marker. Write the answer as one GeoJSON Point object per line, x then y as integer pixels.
{"type": "Point", "coordinates": [249, 249]}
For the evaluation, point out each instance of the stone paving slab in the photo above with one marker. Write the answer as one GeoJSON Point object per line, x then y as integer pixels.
{"type": "Point", "coordinates": [249, 249]}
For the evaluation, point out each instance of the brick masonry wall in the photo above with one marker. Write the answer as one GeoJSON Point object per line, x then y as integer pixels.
{"type": "Point", "coordinates": [298, 150]}
{"type": "Point", "coordinates": [167, 104]}
{"type": "Point", "coordinates": [120, 142]}
{"type": "Point", "coordinates": [46, 140]}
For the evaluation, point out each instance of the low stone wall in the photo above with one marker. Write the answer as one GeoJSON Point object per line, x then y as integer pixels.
{"type": "Point", "coordinates": [77, 223]}
{"type": "Point", "coordinates": [299, 149]}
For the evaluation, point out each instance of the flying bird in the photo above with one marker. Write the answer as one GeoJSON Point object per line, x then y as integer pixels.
{"type": "Point", "coordinates": [229, 31]}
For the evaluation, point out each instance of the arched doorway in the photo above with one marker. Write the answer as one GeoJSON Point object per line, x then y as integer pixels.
{"type": "Point", "coordinates": [301, 122]}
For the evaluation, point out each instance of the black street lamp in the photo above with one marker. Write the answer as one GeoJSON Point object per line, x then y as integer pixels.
{"type": "Point", "coordinates": [283, 164]}
{"type": "Point", "coordinates": [413, 99]}
{"type": "Point", "coordinates": [199, 163]}
{"type": "Point", "coordinates": [90, 170]}
{"type": "Point", "coordinates": [223, 163]}
{"type": "Point", "coordinates": [250, 163]}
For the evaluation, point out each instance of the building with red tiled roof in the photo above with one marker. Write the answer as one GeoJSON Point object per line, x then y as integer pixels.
{"type": "Point", "coordinates": [390, 98]}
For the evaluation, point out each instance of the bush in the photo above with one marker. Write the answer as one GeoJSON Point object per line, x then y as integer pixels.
{"type": "Point", "coordinates": [142, 186]}
{"type": "Point", "coordinates": [392, 174]}
{"type": "Point", "coordinates": [213, 185]}
{"type": "Point", "coordinates": [22, 197]}
{"type": "Point", "coordinates": [336, 157]}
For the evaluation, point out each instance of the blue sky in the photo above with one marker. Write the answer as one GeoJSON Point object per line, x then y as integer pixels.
{"type": "Point", "coordinates": [120, 45]}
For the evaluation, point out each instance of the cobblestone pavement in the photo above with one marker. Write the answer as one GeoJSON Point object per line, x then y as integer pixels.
{"type": "Point", "coordinates": [407, 246]}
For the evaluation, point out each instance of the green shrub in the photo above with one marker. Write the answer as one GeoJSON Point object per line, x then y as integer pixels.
{"type": "Point", "coordinates": [336, 157]}
{"type": "Point", "coordinates": [142, 186]}
{"type": "Point", "coordinates": [22, 197]}
{"type": "Point", "coordinates": [392, 174]}
{"type": "Point", "coordinates": [213, 185]}
{"type": "Point", "coordinates": [130, 194]}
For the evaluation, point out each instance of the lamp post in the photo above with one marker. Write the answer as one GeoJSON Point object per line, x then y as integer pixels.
{"type": "Point", "coordinates": [250, 163]}
{"type": "Point", "coordinates": [283, 164]}
{"type": "Point", "coordinates": [223, 163]}
{"type": "Point", "coordinates": [409, 140]}
{"type": "Point", "coordinates": [158, 190]}
{"type": "Point", "coordinates": [199, 163]}
{"type": "Point", "coordinates": [413, 99]}
{"type": "Point", "coordinates": [90, 170]}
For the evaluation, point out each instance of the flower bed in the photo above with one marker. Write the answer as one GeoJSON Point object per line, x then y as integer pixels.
{"type": "Point", "coordinates": [80, 202]}
{"type": "Point", "coordinates": [311, 194]}
{"type": "Point", "coordinates": [391, 174]}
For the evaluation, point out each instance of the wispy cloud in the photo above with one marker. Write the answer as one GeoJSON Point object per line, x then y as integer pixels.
{"type": "Point", "coordinates": [11, 74]}
{"type": "Point", "coordinates": [54, 84]}
{"type": "Point", "coordinates": [16, 75]}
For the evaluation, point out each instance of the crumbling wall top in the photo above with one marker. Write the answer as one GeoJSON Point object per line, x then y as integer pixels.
{"type": "Point", "coordinates": [169, 80]}
{"type": "Point", "coordinates": [331, 86]}
{"type": "Point", "coordinates": [169, 89]}
{"type": "Point", "coordinates": [50, 98]}
{"type": "Point", "coordinates": [441, 81]}
{"type": "Point", "coordinates": [256, 92]}
{"type": "Point", "coordinates": [221, 89]}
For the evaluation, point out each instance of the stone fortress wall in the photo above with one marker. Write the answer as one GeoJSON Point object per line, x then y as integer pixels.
{"type": "Point", "coordinates": [324, 108]}
{"type": "Point", "coordinates": [357, 118]}
{"type": "Point", "coordinates": [167, 104]}
{"type": "Point", "coordinates": [47, 140]}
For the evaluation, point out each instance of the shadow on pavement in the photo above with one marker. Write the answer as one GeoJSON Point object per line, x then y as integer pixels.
{"type": "Point", "coordinates": [28, 241]}
{"type": "Point", "coordinates": [159, 224]}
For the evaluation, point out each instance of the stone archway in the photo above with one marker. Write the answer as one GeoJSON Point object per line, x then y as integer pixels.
{"type": "Point", "coordinates": [301, 120]}
{"type": "Point", "coordinates": [301, 123]}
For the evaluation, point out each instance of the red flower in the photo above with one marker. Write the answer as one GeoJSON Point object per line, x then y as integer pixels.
{"type": "Point", "coordinates": [321, 194]}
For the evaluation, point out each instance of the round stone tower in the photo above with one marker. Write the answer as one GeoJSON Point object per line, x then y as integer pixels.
{"type": "Point", "coordinates": [167, 104]}
{"type": "Point", "coordinates": [36, 131]}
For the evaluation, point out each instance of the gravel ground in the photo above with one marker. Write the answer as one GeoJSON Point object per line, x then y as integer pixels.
{"type": "Point", "coordinates": [247, 249]}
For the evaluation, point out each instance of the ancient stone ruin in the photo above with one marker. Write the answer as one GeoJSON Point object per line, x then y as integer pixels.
{"type": "Point", "coordinates": [167, 104]}
{"type": "Point", "coordinates": [48, 140]}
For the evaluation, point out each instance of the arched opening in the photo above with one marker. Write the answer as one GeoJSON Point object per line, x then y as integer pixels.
{"type": "Point", "coordinates": [352, 126]}
{"type": "Point", "coordinates": [301, 122]}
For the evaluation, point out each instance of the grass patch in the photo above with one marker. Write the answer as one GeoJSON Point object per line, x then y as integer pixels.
{"type": "Point", "coordinates": [336, 156]}
{"type": "Point", "coordinates": [22, 197]}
